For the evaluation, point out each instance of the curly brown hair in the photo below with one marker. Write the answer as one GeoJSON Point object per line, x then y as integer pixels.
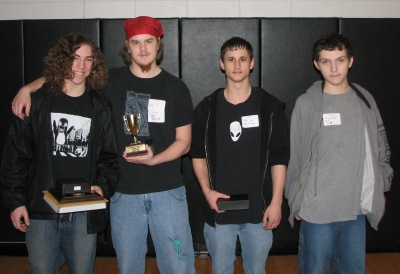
{"type": "Point", "coordinates": [126, 56]}
{"type": "Point", "coordinates": [58, 63]}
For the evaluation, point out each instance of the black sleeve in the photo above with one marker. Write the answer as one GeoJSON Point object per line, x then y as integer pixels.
{"type": "Point", "coordinates": [197, 149]}
{"type": "Point", "coordinates": [183, 112]}
{"type": "Point", "coordinates": [280, 140]}
{"type": "Point", "coordinates": [17, 160]}
{"type": "Point", "coordinates": [107, 173]}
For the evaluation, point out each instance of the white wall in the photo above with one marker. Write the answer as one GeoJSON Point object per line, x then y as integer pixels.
{"type": "Point", "coordinates": [63, 9]}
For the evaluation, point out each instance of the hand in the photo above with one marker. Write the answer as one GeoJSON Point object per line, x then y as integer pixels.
{"type": "Point", "coordinates": [212, 197]}
{"type": "Point", "coordinates": [96, 189]}
{"type": "Point", "coordinates": [272, 217]}
{"type": "Point", "coordinates": [19, 218]}
{"type": "Point", "coordinates": [146, 159]}
{"type": "Point", "coordinates": [298, 218]}
{"type": "Point", "coordinates": [21, 100]}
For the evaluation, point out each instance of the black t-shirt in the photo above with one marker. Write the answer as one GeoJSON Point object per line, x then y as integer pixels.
{"type": "Point", "coordinates": [71, 119]}
{"type": "Point", "coordinates": [164, 103]}
{"type": "Point", "coordinates": [238, 156]}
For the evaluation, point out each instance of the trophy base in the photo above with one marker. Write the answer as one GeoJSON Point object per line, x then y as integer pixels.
{"type": "Point", "coordinates": [135, 149]}
{"type": "Point", "coordinates": [235, 202]}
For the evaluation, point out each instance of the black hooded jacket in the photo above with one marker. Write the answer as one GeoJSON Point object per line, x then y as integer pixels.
{"type": "Point", "coordinates": [274, 149]}
{"type": "Point", "coordinates": [27, 162]}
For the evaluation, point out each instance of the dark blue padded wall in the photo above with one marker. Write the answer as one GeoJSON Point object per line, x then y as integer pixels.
{"type": "Point", "coordinates": [201, 43]}
{"type": "Point", "coordinates": [113, 38]}
{"type": "Point", "coordinates": [283, 67]}
{"type": "Point", "coordinates": [287, 68]}
{"type": "Point", "coordinates": [11, 79]}
{"type": "Point", "coordinates": [286, 71]}
{"type": "Point", "coordinates": [41, 35]}
{"type": "Point", "coordinates": [376, 67]}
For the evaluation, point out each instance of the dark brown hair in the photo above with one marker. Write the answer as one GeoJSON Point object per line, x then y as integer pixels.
{"type": "Point", "coordinates": [329, 42]}
{"type": "Point", "coordinates": [236, 43]}
{"type": "Point", "coordinates": [58, 63]}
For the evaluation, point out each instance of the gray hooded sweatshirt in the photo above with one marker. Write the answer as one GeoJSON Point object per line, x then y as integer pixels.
{"type": "Point", "coordinates": [304, 129]}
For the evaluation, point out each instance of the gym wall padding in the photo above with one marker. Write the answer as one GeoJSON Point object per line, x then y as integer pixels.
{"type": "Point", "coordinates": [283, 66]}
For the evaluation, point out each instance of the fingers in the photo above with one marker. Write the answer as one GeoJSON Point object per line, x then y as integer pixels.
{"type": "Point", "coordinates": [22, 226]}
{"type": "Point", "coordinates": [27, 109]}
{"type": "Point", "coordinates": [145, 159]}
{"type": "Point", "coordinates": [18, 110]}
{"type": "Point", "coordinates": [97, 189]}
{"type": "Point", "coordinates": [19, 218]}
{"type": "Point", "coordinates": [212, 198]}
{"type": "Point", "coordinates": [271, 220]}
{"type": "Point", "coordinates": [269, 225]}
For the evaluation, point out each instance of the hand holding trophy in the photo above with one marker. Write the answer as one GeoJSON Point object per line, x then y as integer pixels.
{"type": "Point", "coordinates": [132, 124]}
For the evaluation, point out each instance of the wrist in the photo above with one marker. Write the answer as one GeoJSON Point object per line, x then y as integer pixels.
{"type": "Point", "coordinates": [276, 202]}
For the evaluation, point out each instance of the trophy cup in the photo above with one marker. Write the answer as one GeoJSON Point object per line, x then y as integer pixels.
{"type": "Point", "coordinates": [132, 124]}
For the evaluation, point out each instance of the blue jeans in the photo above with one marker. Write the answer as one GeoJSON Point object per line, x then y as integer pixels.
{"type": "Point", "coordinates": [52, 242]}
{"type": "Point", "coordinates": [166, 214]}
{"type": "Point", "coordinates": [343, 243]}
{"type": "Point", "coordinates": [221, 244]}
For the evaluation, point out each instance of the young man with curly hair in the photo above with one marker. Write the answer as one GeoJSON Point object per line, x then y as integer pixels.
{"type": "Point", "coordinates": [68, 134]}
{"type": "Point", "coordinates": [151, 193]}
{"type": "Point", "coordinates": [339, 165]}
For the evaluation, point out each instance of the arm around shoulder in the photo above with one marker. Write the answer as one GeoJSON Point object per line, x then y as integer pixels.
{"type": "Point", "coordinates": [21, 103]}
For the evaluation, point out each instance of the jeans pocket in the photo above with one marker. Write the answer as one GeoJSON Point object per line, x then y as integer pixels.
{"type": "Point", "coordinates": [115, 197]}
{"type": "Point", "coordinates": [178, 193]}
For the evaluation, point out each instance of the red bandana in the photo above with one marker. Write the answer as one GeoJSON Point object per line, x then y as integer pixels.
{"type": "Point", "coordinates": [143, 25]}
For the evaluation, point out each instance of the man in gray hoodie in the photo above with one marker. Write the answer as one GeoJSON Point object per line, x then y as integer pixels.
{"type": "Point", "coordinates": [339, 165]}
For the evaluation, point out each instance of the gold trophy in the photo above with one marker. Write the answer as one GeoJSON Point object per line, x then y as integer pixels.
{"type": "Point", "coordinates": [132, 124]}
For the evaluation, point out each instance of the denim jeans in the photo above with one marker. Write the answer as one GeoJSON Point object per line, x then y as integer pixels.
{"type": "Point", "coordinates": [52, 242]}
{"type": "Point", "coordinates": [166, 214]}
{"type": "Point", "coordinates": [221, 244]}
{"type": "Point", "coordinates": [341, 243]}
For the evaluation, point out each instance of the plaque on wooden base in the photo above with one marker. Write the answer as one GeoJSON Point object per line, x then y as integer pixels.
{"type": "Point", "coordinates": [74, 205]}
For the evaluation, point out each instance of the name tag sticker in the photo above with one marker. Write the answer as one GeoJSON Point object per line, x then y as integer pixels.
{"type": "Point", "coordinates": [250, 121]}
{"type": "Point", "coordinates": [156, 111]}
{"type": "Point", "coordinates": [332, 119]}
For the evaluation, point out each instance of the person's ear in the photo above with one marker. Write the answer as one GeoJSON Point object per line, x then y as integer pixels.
{"type": "Point", "coordinates": [316, 64]}
{"type": "Point", "coordinates": [351, 61]}
{"type": "Point", "coordinates": [221, 64]}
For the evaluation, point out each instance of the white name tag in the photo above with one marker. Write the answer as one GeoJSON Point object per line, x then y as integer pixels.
{"type": "Point", "coordinates": [332, 119]}
{"type": "Point", "coordinates": [250, 121]}
{"type": "Point", "coordinates": [156, 111]}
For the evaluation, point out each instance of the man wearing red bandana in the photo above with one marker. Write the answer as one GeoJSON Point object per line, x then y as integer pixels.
{"type": "Point", "coordinates": [150, 193]}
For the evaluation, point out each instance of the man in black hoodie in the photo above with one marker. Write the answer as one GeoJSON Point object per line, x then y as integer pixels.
{"type": "Point", "coordinates": [240, 142]}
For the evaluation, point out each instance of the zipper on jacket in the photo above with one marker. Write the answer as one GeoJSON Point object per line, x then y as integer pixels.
{"type": "Point", "coordinates": [266, 163]}
{"type": "Point", "coordinates": [316, 170]}
{"type": "Point", "coordinates": [206, 150]}
{"type": "Point", "coordinates": [208, 162]}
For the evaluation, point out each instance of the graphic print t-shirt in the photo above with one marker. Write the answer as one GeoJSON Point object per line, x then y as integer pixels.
{"type": "Point", "coordinates": [70, 124]}
{"type": "Point", "coordinates": [239, 157]}
{"type": "Point", "coordinates": [164, 104]}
